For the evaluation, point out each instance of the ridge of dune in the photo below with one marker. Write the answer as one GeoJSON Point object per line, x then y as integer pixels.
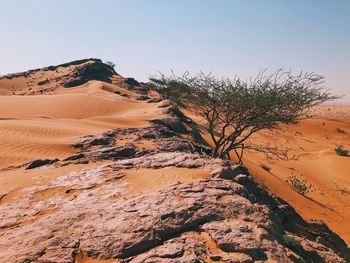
{"type": "Point", "coordinates": [44, 125]}
{"type": "Point", "coordinates": [48, 79]}
{"type": "Point", "coordinates": [66, 106]}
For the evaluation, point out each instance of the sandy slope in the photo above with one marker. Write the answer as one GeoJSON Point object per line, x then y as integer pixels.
{"type": "Point", "coordinates": [8, 86]}
{"type": "Point", "coordinates": [44, 126]}
{"type": "Point", "coordinates": [313, 141]}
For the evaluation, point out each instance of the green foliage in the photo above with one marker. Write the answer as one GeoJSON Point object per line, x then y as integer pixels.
{"type": "Point", "coordinates": [341, 151]}
{"type": "Point", "coordinates": [235, 109]}
{"type": "Point", "coordinates": [170, 89]}
{"type": "Point", "coordinates": [300, 186]}
{"type": "Point", "coordinates": [292, 243]}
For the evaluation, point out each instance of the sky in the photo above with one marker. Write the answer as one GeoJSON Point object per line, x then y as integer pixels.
{"type": "Point", "coordinates": [143, 37]}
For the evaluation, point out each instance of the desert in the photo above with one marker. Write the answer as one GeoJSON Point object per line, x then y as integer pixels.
{"type": "Point", "coordinates": [106, 171]}
{"type": "Point", "coordinates": [187, 131]}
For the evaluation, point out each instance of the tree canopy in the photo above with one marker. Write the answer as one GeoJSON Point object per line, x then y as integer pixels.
{"type": "Point", "coordinates": [235, 109]}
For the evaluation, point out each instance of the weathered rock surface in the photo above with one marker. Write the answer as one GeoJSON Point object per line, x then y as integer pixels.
{"type": "Point", "coordinates": [64, 75]}
{"type": "Point", "coordinates": [38, 163]}
{"type": "Point", "coordinates": [158, 227]}
{"type": "Point", "coordinates": [93, 217]}
{"type": "Point", "coordinates": [109, 146]}
{"type": "Point", "coordinates": [92, 71]}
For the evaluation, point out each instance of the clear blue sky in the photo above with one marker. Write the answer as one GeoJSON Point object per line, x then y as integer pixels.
{"type": "Point", "coordinates": [226, 37]}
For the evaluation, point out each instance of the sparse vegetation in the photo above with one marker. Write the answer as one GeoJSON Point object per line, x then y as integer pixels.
{"type": "Point", "coordinates": [110, 63]}
{"type": "Point", "coordinates": [298, 185]}
{"type": "Point", "coordinates": [234, 109]}
{"type": "Point", "coordinates": [342, 190]}
{"type": "Point", "coordinates": [339, 130]}
{"type": "Point", "coordinates": [341, 151]}
{"type": "Point", "coordinates": [170, 89]}
{"type": "Point", "coordinates": [40, 83]}
{"type": "Point", "coordinates": [292, 243]}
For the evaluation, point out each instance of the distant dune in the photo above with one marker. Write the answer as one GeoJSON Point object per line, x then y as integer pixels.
{"type": "Point", "coordinates": [338, 112]}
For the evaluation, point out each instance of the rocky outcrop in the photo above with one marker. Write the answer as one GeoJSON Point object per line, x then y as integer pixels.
{"type": "Point", "coordinates": [38, 163]}
{"type": "Point", "coordinates": [46, 80]}
{"type": "Point", "coordinates": [94, 216]}
{"type": "Point", "coordinates": [160, 227]}
{"type": "Point", "coordinates": [91, 71]}
{"type": "Point", "coordinates": [50, 68]}
{"type": "Point", "coordinates": [162, 137]}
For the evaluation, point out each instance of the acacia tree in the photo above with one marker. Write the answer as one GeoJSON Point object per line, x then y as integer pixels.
{"type": "Point", "coordinates": [170, 88]}
{"type": "Point", "coordinates": [234, 109]}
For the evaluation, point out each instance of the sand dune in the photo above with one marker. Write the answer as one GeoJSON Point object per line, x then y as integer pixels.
{"type": "Point", "coordinates": [44, 126]}
{"type": "Point", "coordinates": [8, 86]}
{"type": "Point", "coordinates": [336, 112]}
{"type": "Point", "coordinates": [313, 141]}
{"type": "Point", "coordinates": [88, 101]}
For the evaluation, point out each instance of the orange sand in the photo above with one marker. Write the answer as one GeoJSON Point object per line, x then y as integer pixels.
{"type": "Point", "coordinates": [44, 126]}
{"type": "Point", "coordinates": [313, 141]}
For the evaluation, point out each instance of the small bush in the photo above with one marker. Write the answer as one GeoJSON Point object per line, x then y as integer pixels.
{"type": "Point", "coordinates": [292, 243]}
{"type": "Point", "coordinates": [342, 190]}
{"type": "Point", "coordinates": [339, 130]}
{"type": "Point", "coordinates": [110, 63]}
{"type": "Point", "coordinates": [40, 83]}
{"type": "Point", "coordinates": [341, 151]}
{"type": "Point", "coordinates": [300, 186]}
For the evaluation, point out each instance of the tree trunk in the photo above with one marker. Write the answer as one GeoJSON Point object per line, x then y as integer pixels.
{"type": "Point", "coordinates": [239, 156]}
